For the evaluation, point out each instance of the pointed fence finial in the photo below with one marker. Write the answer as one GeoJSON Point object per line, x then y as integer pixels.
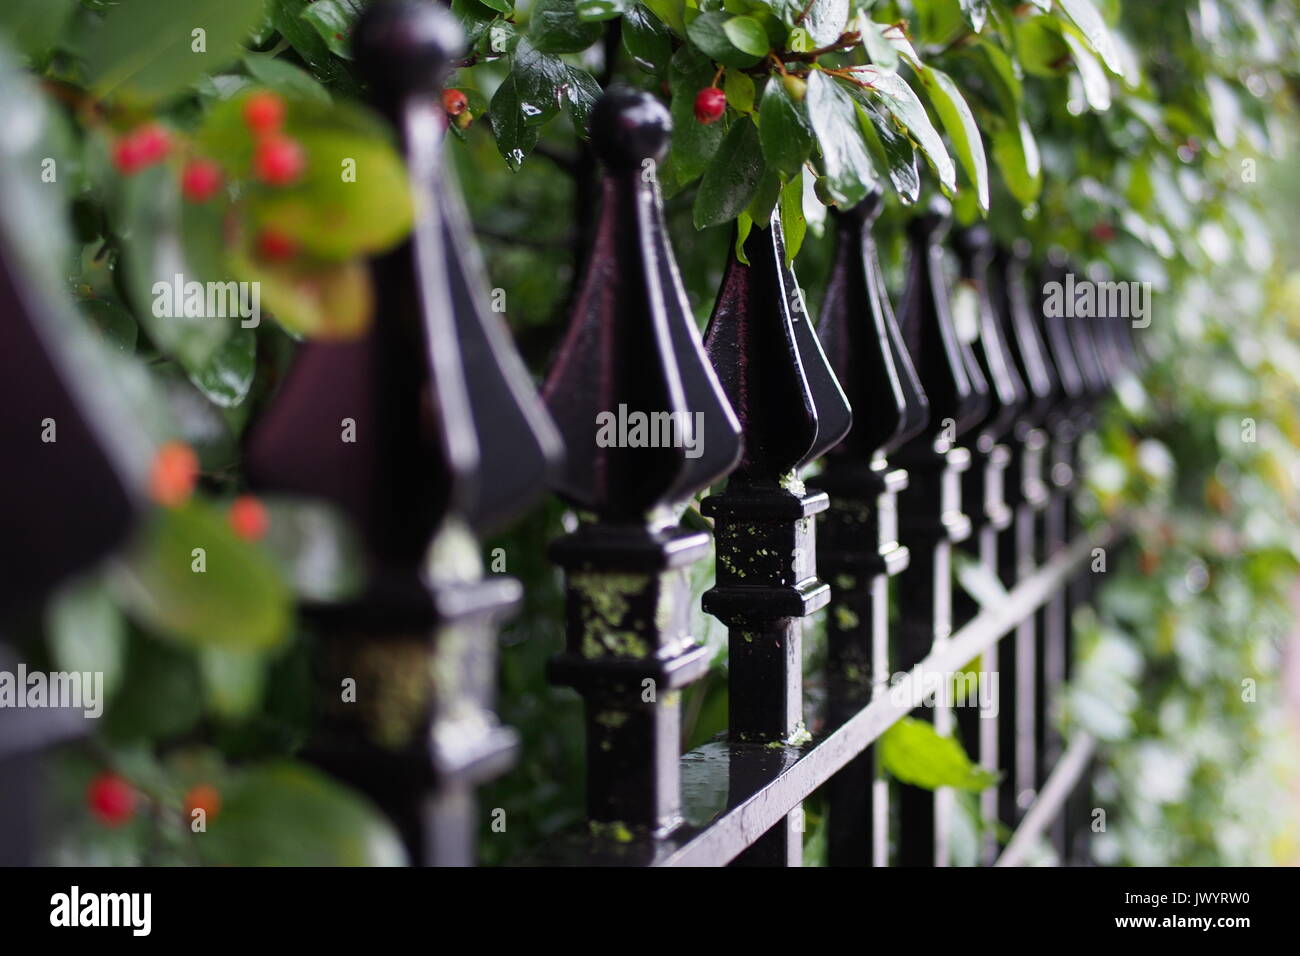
{"type": "Point", "coordinates": [857, 537]}
{"type": "Point", "coordinates": [792, 411]}
{"type": "Point", "coordinates": [645, 425]}
{"type": "Point", "coordinates": [424, 431]}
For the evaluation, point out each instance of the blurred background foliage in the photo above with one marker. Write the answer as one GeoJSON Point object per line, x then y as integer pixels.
{"type": "Point", "coordinates": [1152, 141]}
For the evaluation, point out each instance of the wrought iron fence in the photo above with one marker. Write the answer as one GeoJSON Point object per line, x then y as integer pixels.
{"type": "Point", "coordinates": [934, 444]}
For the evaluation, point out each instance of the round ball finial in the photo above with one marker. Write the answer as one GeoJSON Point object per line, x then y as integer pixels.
{"type": "Point", "coordinates": [974, 244]}
{"type": "Point", "coordinates": [629, 126]}
{"type": "Point", "coordinates": [933, 221]}
{"type": "Point", "coordinates": [869, 209]}
{"type": "Point", "coordinates": [407, 46]}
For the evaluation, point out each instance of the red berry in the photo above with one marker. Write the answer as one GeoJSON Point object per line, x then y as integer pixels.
{"type": "Point", "coordinates": [275, 246]}
{"type": "Point", "coordinates": [111, 799]}
{"type": "Point", "coordinates": [1103, 232]}
{"type": "Point", "coordinates": [175, 470]}
{"type": "Point", "coordinates": [139, 148]}
{"type": "Point", "coordinates": [279, 161]}
{"type": "Point", "coordinates": [454, 102]}
{"type": "Point", "coordinates": [203, 797]}
{"type": "Point", "coordinates": [249, 518]}
{"type": "Point", "coordinates": [200, 180]}
{"type": "Point", "coordinates": [264, 112]}
{"type": "Point", "coordinates": [710, 104]}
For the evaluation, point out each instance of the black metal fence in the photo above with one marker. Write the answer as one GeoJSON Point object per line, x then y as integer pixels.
{"type": "Point", "coordinates": [931, 443]}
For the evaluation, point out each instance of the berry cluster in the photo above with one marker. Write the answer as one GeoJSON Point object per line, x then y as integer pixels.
{"type": "Point", "coordinates": [457, 108]}
{"type": "Point", "coordinates": [112, 800]}
{"type": "Point", "coordinates": [278, 160]}
{"type": "Point", "coordinates": [172, 478]}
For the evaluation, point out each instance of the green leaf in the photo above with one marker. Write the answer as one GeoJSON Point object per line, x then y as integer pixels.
{"type": "Point", "coordinates": [117, 326]}
{"type": "Point", "coordinates": [514, 135]}
{"type": "Point", "coordinates": [646, 40]}
{"type": "Point", "coordinates": [739, 89]}
{"type": "Point", "coordinates": [287, 18]}
{"type": "Point", "coordinates": [834, 117]}
{"type": "Point", "coordinates": [334, 20]}
{"type": "Point", "coordinates": [962, 130]}
{"type": "Point", "coordinates": [902, 102]}
{"type": "Point", "coordinates": [238, 602]}
{"type": "Point", "coordinates": [892, 150]}
{"type": "Point", "coordinates": [580, 97]}
{"type": "Point", "coordinates": [693, 143]}
{"type": "Point", "coordinates": [1096, 84]}
{"type": "Point", "coordinates": [353, 197]}
{"type": "Point", "coordinates": [147, 48]}
{"type": "Point", "coordinates": [287, 814]}
{"type": "Point", "coordinates": [1002, 74]}
{"type": "Point", "coordinates": [763, 204]}
{"type": "Point", "coordinates": [708, 31]}
{"type": "Point", "coordinates": [283, 77]}
{"type": "Point", "coordinates": [326, 300]}
{"type": "Point", "coordinates": [1016, 152]}
{"type": "Point", "coordinates": [593, 11]}
{"type": "Point", "coordinates": [826, 20]}
{"type": "Point", "coordinates": [879, 50]}
{"type": "Point", "coordinates": [732, 177]}
{"type": "Point", "coordinates": [670, 12]}
{"type": "Point", "coordinates": [914, 753]}
{"type": "Point", "coordinates": [227, 376]}
{"type": "Point", "coordinates": [975, 12]}
{"type": "Point", "coordinates": [793, 222]}
{"type": "Point", "coordinates": [33, 27]}
{"type": "Point", "coordinates": [1039, 46]}
{"type": "Point", "coordinates": [86, 632]}
{"type": "Point", "coordinates": [1088, 19]}
{"type": "Point", "coordinates": [232, 680]}
{"type": "Point", "coordinates": [155, 249]}
{"type": "Point", "coordinates": [784, 130]}
{"type": "Point", "coordinates": [747, 34]}
{"type": "Point", "coordinates": [554, 27]}
{"type": "Point", "coordinates": [159, 696]}
{"type": "Point", "coordinates": [500, 6]}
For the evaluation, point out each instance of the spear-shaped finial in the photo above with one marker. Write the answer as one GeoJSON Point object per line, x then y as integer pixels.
{"type": "Point", "coordinates": [646, 425]}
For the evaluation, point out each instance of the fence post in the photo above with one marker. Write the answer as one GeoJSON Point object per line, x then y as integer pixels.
{"type": "Point", "coordinates": [761, 341]}
{"type": "Point", "coordinates": [70, 480]}
{"type": "Point", "coordinates": [931, 519]}
{"type": "Point", "coordinates": [857, 538]}
{"type": "Point", "coordinates": [990, 497]}
{"type": "Point", "coordinates": [631, 352]}
{"type": "Point", "coordinates": [1020, 552]}
{"type": "Point", "coordinates": [426, 432]}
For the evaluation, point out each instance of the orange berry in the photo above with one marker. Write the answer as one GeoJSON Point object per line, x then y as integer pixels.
{"type": "Point", "coordinates": [454, 102]}
{"type": "Point", "coordinates": [248, 518]}
{"type": "Point", "coordinates": [264, 112]}
{"type": "Point", "coordinates": [175, 470]}
{"type": "Point", "coordinates": [205, 797]}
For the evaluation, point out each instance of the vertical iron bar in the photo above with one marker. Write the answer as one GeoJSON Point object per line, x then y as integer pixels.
{"type": "Point", "coordinates": [791, 410]}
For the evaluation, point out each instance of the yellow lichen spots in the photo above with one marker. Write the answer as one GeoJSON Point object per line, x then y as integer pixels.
{"type": "Point", "coordinates": [793, 483]}
{"type": "Point", "coordinates": [845, 582]}
{"type": "Point", "coordinates": [616, 831]}
{"type": "Point", "coordinates": [845, 619]}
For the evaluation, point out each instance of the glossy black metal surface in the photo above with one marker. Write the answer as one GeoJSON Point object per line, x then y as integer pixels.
{"type": "Point", "coordinates": [632, 349]}
{"type": "Point", "coordinates": [446, 438]}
